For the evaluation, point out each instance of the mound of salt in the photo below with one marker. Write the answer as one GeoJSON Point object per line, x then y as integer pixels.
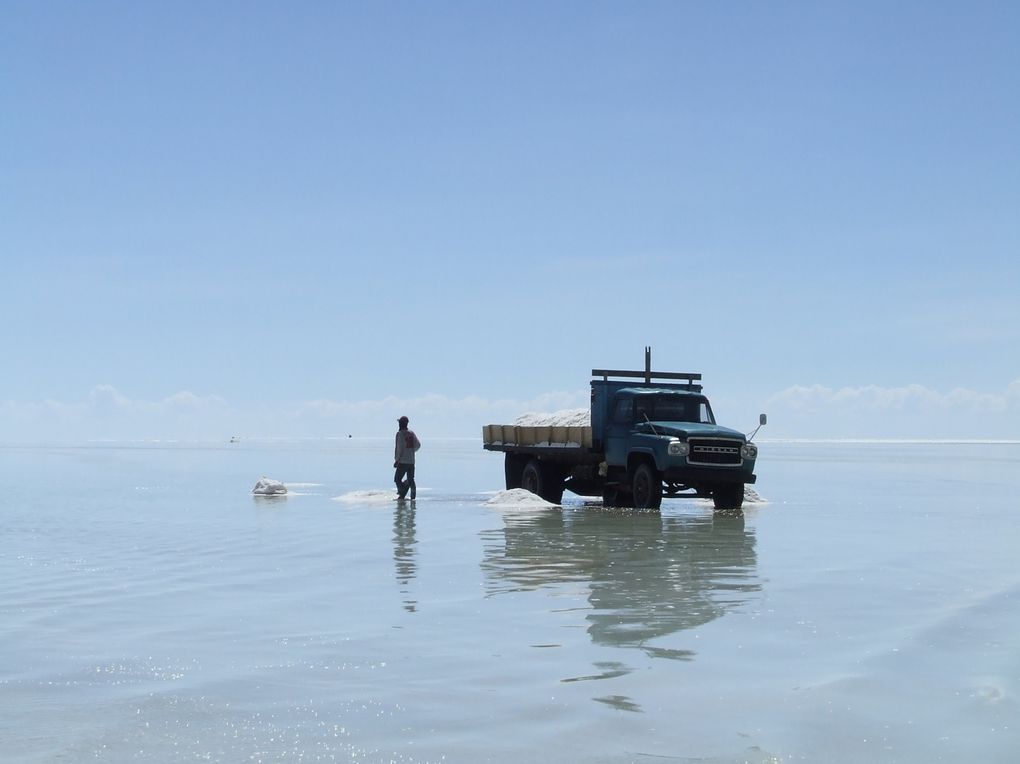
{"type": "Point", "coordinates": [563, 418]}
{"type": "Point", "coordinates": [518, 498]}
{"type": "Point", "coordinates": [269, 487]}
{"type": "Point", "coordinates": [751, 496]}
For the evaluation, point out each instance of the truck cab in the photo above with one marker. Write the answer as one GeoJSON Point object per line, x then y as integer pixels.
{"type": "Point", "coordinates": [662, 440]}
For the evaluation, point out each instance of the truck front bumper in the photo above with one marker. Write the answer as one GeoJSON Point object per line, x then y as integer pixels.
{"type": "Point", "coordinates": [704, 475]}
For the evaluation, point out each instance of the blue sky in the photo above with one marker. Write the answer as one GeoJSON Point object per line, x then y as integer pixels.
{"type": "Point", "coordinates": [305, 219]}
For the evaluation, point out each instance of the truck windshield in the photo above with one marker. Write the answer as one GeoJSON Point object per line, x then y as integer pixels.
{"type": "Point", "coordinates": [673, 408]}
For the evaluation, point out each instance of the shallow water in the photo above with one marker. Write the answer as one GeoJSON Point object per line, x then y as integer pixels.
{"type": "Point", "coordinates": [152, 609]}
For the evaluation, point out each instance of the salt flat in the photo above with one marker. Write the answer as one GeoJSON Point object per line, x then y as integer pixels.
{"type": "Point", "coordinates": [152, 609]}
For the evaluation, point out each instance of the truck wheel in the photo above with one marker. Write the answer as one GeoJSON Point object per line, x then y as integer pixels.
{"type": "Point", "coordinates": [728, 496]}
{"type": "Point", "coordinates": [543, 481]}
{"type": "Point", "coordinates": [531, 478]}
{"type": "Point", "coordinates": [646, 487]}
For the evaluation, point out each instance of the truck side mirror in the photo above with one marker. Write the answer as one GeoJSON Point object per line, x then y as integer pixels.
{"type": "Point", "coordinates": [762, 419]}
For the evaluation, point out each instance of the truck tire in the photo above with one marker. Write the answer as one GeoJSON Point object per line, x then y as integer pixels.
{"type": "Point", "coordinates": [646, 487]}
{"type": "Point", "coordinates": [728, 496]}
{"type": "Point", "coordinates": [543, 480]}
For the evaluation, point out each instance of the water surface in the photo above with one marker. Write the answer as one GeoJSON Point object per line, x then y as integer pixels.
{"type": "Point", "coordinates": [151, 609]}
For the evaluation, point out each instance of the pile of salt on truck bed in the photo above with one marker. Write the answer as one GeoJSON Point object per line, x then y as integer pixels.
{"type": "Point", "coordinates": [649, 438]}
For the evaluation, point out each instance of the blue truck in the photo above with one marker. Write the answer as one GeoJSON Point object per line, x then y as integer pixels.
{"type": "Point", "coordinates": [651, 435]}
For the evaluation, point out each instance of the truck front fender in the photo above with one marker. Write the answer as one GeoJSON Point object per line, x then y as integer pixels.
{"type": "Point", "coordinates": [643, 454]}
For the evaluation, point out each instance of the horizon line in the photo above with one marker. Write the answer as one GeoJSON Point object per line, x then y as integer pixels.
{"type": "Point", "coordinates": [269, 439]}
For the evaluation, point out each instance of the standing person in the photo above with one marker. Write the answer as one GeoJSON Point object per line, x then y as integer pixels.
{"type": "Point", "coordinates": [403, 459]}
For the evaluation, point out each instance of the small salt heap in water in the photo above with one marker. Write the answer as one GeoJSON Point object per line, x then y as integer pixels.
{"type": "Point", "coordinates": [518, 497]}
{"type": "Point", "coordinates": [269, 487]}
{"type": "Point", "coordinates": [751, 496]}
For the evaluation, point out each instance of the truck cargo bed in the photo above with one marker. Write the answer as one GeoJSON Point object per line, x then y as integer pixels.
{"type": "Point", "coordinates": [498, 437]}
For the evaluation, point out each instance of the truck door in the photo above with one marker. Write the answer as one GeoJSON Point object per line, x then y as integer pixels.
{"type": "Point", "coordinates": [621, 419]}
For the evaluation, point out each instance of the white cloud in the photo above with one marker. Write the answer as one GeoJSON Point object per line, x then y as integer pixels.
{"type": "Point", "coordinates": [907, 411]}
{"type": "Point", "coordinates": [437, 414]}
{"type": "Point", "coordinates": [798, 411]}
{"type": "Point", "coordinates": [188, 401]}
{"type": "Point", "coordinates": [876, 398]}
{"type": "Point", "coordinates": [106, 413]}
{"type": "Point", "coordinates": [107, 398]}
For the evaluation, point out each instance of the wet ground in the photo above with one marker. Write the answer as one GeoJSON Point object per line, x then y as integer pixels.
{"type": "Point", "coordinates": [152, 609]}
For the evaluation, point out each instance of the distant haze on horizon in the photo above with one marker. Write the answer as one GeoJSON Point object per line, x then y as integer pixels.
{"type": "Point", "coordinates": [277, 221]}
{"type": "Point", "coordinates": [815, 412]}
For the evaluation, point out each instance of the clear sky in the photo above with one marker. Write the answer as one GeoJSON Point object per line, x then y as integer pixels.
{"type": "Point", "coordinates": [305, 219]}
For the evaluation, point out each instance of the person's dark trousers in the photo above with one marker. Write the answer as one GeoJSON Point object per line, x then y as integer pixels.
{"type": "Point", "coordinates": [402, 485]}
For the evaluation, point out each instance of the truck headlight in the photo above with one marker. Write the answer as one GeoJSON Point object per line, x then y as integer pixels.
{"type": "Point", "coordinates": [749, 451]}
{"type": "Point", "coordinates": [678, 448]}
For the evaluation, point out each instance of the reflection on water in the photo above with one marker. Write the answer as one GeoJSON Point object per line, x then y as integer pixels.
{"type": "Point", "coordinates": [403, 551]}
{"type": "Point", "coordinates": [648, 575]}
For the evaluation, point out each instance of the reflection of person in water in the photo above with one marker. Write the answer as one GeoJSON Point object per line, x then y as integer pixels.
{"type": "Point", "coordinates": [403, 551]}
{"type": "Point", "coordinates": [649, 575]}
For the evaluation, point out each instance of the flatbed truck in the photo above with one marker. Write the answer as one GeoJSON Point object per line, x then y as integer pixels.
{"type": "Point", "coordinates": [652, 435]}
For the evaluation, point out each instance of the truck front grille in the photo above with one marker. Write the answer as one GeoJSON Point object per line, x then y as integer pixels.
{"type": "Point", "coordinates": [714, 451]}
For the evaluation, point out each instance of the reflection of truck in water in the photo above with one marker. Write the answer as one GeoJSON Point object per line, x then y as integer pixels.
{"type": "Point", "coordinates": [651, 434]}
{"type": "Point", "coordinates": [648, 575]}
